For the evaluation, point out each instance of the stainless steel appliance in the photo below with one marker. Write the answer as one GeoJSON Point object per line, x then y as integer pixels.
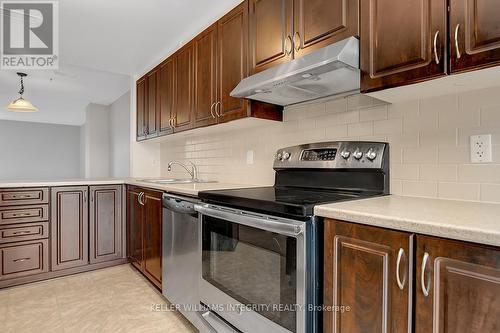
{"type": "Point", "coordinates": [261, 248]}
{"type": "Point", "coordinates": [181, 262]}
{"type": "Point", "coordinates": [330, 71]}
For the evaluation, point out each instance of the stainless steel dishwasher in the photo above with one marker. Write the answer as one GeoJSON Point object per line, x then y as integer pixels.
{"type": "Point", "coordinates": [181, 257]}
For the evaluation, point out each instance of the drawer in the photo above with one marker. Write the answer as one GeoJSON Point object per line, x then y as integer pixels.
{"type": "Point", "coordinates": [24, 196]}
{"type": "Point", "coordinates": [23, 259]}
{"type": "Point", "coordinates": [23, 232]}
{"type": "Point", "coordinates": [24, 214]}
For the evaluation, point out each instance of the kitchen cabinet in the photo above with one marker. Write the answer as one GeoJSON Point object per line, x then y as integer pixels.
{"type": "Point", "coordinates": [166, 94]}
{"type": "Point", "coordinates": [367, 269]}
{"type": "Point", "coordinates": [474, 34]}
{"type": "Point", "coordinates": [141, 108]}
{"type": "Point", "coordinates": [105, 223]}
{"type": "Point", "coordinates": [184, 91]}
{"type": "Point", "coordinates": [206, 55]}
{"type": "Point", "coordinates": [23, 259]}
{"type": "Point", "coordinates": [458, 287]}
{"type": "Point", "coordinates": [151, 110]}
{"type": "Point", "coordinates": [402, 42]}
{"type": "Point", "coordinates": [69, 227]}
{"type": "Point", "coordinates": [144, 243]}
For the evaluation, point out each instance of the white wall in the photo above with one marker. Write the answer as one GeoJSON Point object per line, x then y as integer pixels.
{"type": "Point", "coordinates": [96, 141]}
{"type": "Point", "coordinates": [119, 125]}
{"type": "Point", "coordinates": [429, 143]}
{"type": "Point", "coordinates": [38, 151]}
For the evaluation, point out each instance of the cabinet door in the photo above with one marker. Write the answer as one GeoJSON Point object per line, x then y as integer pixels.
{"type": "Point", "coordinates": [183, 119]}
{"type": "Point", "coordinates": [153, 237]}
{"type": "Point", "coordinates": [458, 287]}
{"type": "Point", "coordinates": [397, 42]}
{"type": "Point", "coordinates": [271, 30]}
{"type": "Point", "coordinates": [141, 109]}
{"type": "Point", "coordinates": [319, 23]}
{"type": "Point", "coordinates": [105, 223]}
{"type": "Point", "coordinates": [135, 220]}
{"type": "Point", "coordinates": [474, 34]}
{"type": "Point", "coordinates": [69, 227]}
{"type": "Point", "coordinates": [205, 49]}
{"type": "Point", "coordinates": [151, 113]}
{"type": "Point", "coordinates": [232, 67]}
{"type": "Point", "coordinates": [166, 95]}
{"type": "Point", "coordinates": [369, 270]}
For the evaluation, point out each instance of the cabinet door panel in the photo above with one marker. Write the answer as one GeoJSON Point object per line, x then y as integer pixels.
{"type": "Point", "coordinates": [397, 42]}
{"type": "Point", "coordinates": [206, 77]}
{"type": "Point", "coordinates": [151, 113]}
{"type": "Point", "coordinates": [135, 220]}
{"type": "Point", "coordinates": [183, 118]}
{"type": "Point", "coordinates": [153, 237]}
{"type": "Point", "coordinates": [322, 22]}
{"type": "Point", "coordinates": [361, 272]}
{"type": "Point", "coordinates": [270, 26]}
{"type": "Point", "coordinates": [166, 94]}
{"type": "Point", "coordinates": [141, 108]}
{"type": "Point", "coordinates": [69, 227]}
{"type": "Point", "coordinates": [105, 223]}
{"type": "Point", "coordinates": [463, 282]}
{"type": "Point", "coordinates": [233, 46]}
{"type": "Point", "coordinates": [477, 36]}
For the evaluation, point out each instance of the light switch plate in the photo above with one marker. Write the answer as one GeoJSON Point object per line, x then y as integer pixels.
{"type": "Point", "coordinates": [480, 148]}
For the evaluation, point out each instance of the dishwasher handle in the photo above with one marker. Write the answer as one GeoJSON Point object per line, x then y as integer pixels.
{"type": "Point", "coordinates": [178, 204]}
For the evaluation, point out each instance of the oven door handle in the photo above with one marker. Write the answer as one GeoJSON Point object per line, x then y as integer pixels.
{"type": "Point", "coordinates": [280, 226]}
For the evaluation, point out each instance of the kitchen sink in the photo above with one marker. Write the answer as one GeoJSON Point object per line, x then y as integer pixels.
{"type": "Point", "coordinates": [177, 181]}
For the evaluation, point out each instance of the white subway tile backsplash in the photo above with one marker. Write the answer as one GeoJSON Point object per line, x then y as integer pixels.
{"type": "Point", "coordinates": [429, 143]}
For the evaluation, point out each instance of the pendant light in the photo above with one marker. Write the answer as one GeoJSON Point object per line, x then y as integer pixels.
{"type": "Point", "coordinates": [21, 104]}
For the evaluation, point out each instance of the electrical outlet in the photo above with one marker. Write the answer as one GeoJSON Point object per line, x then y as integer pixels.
{"type": "Point", "coordinates": [250, 157]}
{"type": "Point", "coordinates": [480, 148]}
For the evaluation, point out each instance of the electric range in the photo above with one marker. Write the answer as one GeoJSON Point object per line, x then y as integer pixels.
{"type": "Point", "coordinates": [261, 247]}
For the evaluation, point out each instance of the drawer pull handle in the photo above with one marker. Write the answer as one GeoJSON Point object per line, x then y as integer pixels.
{"type": "Point", "coordinates": [21, 232]}
{"type": "Point", "coordinates": [21, 214]}
{"type": "Point", "coordinates": [22, 259]}
{"type": "Point", "coordinates": [401, 283]}
{"type": "Point", "coordinates": [425, 289]}
{"type": "Point", "coordinates": [16, 196]}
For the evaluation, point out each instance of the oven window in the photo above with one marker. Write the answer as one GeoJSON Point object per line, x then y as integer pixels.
{"type": "Point", "coordinates": [253, 266]}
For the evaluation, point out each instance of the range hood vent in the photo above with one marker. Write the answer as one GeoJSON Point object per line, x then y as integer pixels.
{"type": "Point", "coordinates": [330, 71]}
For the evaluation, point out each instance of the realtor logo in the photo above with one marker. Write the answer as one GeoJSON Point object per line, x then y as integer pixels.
{"type": "Point", "coordinates": [29, 36]}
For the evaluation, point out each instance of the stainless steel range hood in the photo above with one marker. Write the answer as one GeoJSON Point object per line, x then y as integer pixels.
{"type": "Point", "coordinates": [330, 71]}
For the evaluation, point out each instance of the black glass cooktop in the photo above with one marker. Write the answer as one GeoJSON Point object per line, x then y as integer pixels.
{"type": "Point", "coordinates": [292, 202]}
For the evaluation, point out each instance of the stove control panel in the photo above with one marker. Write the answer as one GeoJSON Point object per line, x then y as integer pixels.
{"type": "Point", "coordinates": [337, 154]}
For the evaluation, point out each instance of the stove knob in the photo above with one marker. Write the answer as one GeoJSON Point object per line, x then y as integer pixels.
{"type": "Point", "coordinates": [286, 155]}
{"type": "Point", "coordinates": [371, 154]}
{"type": "Point", "coordinates": [345, 154]}
{"type": "Point", "coordinates": [358, 154]}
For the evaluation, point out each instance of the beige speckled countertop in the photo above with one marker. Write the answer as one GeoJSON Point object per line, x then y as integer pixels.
{"type": "Point", "coordinates": [185, 189]}
{"type": "Point", "coordinates": [462, 220]}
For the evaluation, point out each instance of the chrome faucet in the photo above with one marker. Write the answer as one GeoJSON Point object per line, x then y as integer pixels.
{"type": "Point", "coordinates": [193, 172]}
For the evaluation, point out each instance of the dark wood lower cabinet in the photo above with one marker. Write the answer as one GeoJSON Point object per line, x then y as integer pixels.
{"type": "Point", "coordinates": [69, 227]}
{"type": "Point", "coordinates": [458, 287]}
{"type": "Point", "coordinates": [144, 232]}
{"type": "Point", "coordinates": [105, 223]}
{"type": "Point", "coordinates": [368, 270]}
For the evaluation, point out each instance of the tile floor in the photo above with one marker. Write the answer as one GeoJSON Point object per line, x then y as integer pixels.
{"type": "Point", "coordinates": [114, 300]}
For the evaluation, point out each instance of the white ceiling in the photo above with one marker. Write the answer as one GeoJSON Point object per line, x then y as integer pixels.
{"type": "Point", "coordinates": [103, 43]}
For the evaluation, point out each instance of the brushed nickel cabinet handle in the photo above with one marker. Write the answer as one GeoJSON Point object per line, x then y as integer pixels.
{"type": "Point", "coordinates": [401, 284]}
{"type": "Point", "coordinates": [21, 259]}
{"type": "Point", "coordinates": [21, 232]}
{"type": "Point", "coordinates": [212, 110]}
{"type": "Point", "coordinates": [139, 198]}
{"type": "Point", "coordinates": [297, 41]}
{"type": "Point", "coordinates": [217, 109]}
{"type": "Point", "coordinates": [288, 45]}
{"type": "Point", "coordinates": [436, 35]}
{"type": "Point", "coordinates": [21, 214]}
{"type": "Point", "coordinates": [457, 47]}
{"type": "Point", "coordinates": [425, 289]}
{"type": "Point", "coordinates": [21, 196]}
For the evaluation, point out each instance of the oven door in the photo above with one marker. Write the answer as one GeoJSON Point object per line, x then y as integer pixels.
{"type": "Point", "coordinates": [253, 269]}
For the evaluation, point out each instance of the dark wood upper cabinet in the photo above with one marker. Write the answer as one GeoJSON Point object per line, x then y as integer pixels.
{"type": "Point", "coordinates": [205, 81]}
{"type": "Point", "coordinates": [318, 23]}
{"type": "Point", "coordinates": [458, 287]}
{"type": "Point", "coordinates": [153, 236]}
{"type": "Point", "coordinates": [367, 269]}
{"type": "Point", "coordinates": [184, 90]}
{"type": "Point", "coordinates": [135, 221]}
{"type": "Point", "coordinates": [69, 227]}
{"type": "Point", "coordinates": [141, 108]}
{"type": "Point", "coordinates": [105, 223]}
{"type": "Point", "coordinates": [166, 94]}
{"type": "Point", "coordinates": [474, 34]}
{"type": "Point", "coordinates": [402, 42]}
{"type": "Point", "coordinates": [152, 105]}
{"type": "Point", "coordinates": [232, 66]}
{"type": "Point", "coordinates": [270, 31]}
